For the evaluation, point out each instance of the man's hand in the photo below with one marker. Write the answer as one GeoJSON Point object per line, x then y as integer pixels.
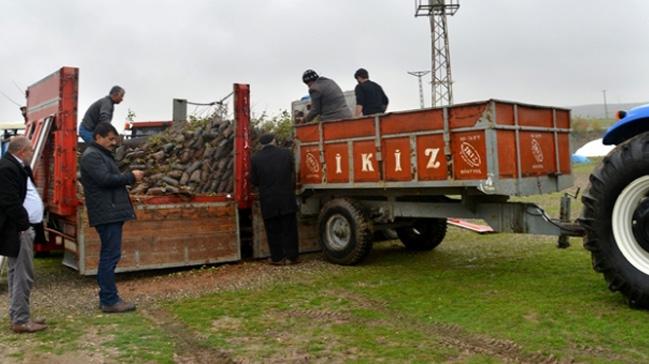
{"type": "Point", "coordinates": [138, 174]}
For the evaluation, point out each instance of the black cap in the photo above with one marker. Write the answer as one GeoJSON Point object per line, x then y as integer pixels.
{"type": "Point", "coordinates": [309, 75]}
{"type": "Point", "coordinates": [266, 138]}
{"type": "Point", "coordinates": [361, 72]}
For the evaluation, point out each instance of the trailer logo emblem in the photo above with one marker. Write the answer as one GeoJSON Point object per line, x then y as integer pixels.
{"type": "Point", "coordinates": [537, 151]}
{"type": "Point", "coordinates": [470, 155]}
{"type": "Point", "coordinates": [312, 163]}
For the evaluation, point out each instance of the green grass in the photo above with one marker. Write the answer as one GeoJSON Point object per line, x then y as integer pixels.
{"type": "Point", "coordinates": [128, 338]}
{"type": "Point", "coordinates": [507, 287]}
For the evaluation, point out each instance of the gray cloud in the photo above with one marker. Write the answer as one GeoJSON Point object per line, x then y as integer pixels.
{"type": "Point", "coordinates": [551, 52]}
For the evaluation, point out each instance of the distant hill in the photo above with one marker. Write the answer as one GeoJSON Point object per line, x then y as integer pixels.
{"type": "Point", "coordinates": [596, 111]}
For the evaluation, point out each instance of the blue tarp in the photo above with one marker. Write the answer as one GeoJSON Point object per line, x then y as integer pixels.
{"type": "Point", "coordinates": [579, 159]}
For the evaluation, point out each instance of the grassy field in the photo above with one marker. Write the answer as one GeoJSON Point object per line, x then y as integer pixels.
{"type": "Point", "coordinates": [474, 299]}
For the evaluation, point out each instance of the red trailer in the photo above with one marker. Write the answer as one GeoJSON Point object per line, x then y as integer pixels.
{"type": "Point", "coordinates": [412, 170]}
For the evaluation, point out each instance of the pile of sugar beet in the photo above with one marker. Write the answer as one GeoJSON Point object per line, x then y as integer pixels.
{"type": "Point", "coordinates": [189, 158]}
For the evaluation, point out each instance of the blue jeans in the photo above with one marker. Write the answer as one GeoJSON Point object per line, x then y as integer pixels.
{"type": "Point", "coordinates": [111, 252]}
{"type": "Point", "coordinates": [85, 134]}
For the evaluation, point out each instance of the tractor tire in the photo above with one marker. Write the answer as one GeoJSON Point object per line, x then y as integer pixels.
{"type": "Point", "coordinates": [616, 219]}
{"type": "Point", "coordinates": [345, 232]}
{"type": "Point", "coordinates": [423, 234]}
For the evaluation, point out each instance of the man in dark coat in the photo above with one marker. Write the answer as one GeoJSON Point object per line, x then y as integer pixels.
{"type": "Point", "coordinates": [370, 98]}
{"type": "Point", "coordinates": [273, 172]}
{"type": "Point", "coordinates": [327, 99]}
{"type": "Point", "coordinates": [109, 206]}
{"type": "Point", "coordinates": [101, 111]}
{"type": "Point", "coordinates": [21, 208]}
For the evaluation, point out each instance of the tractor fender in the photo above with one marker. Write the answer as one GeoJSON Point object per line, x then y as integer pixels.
{"type": "Point", "coordinates": [636, 121]}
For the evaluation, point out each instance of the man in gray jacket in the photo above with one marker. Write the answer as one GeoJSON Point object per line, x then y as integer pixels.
{"type": "Point", "coordinates": [327, 99]}
{"type": "Point", "coordinates": [109, 206]}
{"type": "Point", "coordinates": [101, 111]}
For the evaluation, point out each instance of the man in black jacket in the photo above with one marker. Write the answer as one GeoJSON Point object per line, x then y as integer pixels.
{"type": "Point", "coordinates": [20, 209]}
{"type": "Point", "coordinates": [109, 206]}
{"type": "Point", "coordinates": [370, 98]}
{"type": "Point", "coordinates": [273, 172]}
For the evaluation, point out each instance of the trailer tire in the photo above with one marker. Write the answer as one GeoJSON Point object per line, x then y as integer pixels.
{"type": "Point", "coordinates": [423, 234]}
{"type": "Point", "coordinates": [616, 219]}
{"type": "Point", "coordinates": [345, 232]}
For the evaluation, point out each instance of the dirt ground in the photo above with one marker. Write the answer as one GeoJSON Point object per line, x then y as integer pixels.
{"type": "Point", "coordinates": [63, 288]}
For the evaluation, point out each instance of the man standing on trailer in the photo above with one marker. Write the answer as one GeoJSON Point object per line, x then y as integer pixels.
{"type": "Point", "coordinates": [370, 98]}
{"type": "Point", "coordinates": [21, 208]}
{"type": "Point", "coordinates": [327, 99]}
{"type": "Point", "coordinates": [109, 206]}
{"type": "Point", "coordinates": [273, 172]}
{"type": "Point", "coordinates": [101, 111]}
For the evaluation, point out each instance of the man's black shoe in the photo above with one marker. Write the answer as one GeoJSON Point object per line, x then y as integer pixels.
{"type": "Point", "coordinates": [276, 262]}
{"type": "Point", "coordinates": [119, 307]}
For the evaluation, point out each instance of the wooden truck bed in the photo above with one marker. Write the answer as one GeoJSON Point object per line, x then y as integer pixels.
{"type": "Point", "coordinates": [167, 233]}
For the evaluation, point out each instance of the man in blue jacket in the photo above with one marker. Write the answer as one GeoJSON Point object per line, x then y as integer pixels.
{"type": "Point", "coordinates": [109, 206]}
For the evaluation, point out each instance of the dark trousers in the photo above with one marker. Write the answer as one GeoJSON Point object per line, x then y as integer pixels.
{"type": "Point", "coordinates": [111, 252]}
{"type": "Point", "coordinates": [281, 232]}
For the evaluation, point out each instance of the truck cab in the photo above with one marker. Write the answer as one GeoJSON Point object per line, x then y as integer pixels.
{"type": "Point", "coordinates": [7, 130]}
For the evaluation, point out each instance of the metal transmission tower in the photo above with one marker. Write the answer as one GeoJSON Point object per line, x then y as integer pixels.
{"type": "Point", "coordinates": [419, 75]}
{"type": "Point", "coordinates": [442, 82]}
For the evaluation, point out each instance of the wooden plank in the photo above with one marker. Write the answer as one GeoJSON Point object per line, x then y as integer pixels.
{"type": "Point", "coordinates": [170, 235]}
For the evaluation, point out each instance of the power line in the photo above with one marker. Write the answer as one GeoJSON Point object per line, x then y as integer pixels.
{"type": "Point", "coordinates": [10, 99]}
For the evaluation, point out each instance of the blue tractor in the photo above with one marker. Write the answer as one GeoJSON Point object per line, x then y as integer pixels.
{"type": "Point", "coordinates": [616, 208]}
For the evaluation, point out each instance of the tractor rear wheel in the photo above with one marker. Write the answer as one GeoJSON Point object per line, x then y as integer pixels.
{"type": "Point", "coordinates": [616, 219]}
{"type": "Point", "coordinates": [423, 234]}
{"type": "Point", "coordinates": [345, 232]}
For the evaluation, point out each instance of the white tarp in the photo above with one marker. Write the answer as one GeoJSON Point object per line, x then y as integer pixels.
{"type": "Point", "coordinates": [594, 148]}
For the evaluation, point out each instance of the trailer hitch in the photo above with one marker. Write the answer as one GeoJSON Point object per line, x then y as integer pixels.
{"type": "Point", "coordinates": [564, 217]}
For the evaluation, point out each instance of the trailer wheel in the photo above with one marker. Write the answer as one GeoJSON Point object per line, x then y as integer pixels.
{"type": "Point", "coordinates": [616, 219]}
{"type": "Point", "coordinates": [423, 234]}
{"type": "Point", "coordinates": [345, 232]}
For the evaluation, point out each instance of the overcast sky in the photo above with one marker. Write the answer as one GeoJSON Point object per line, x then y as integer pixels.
{"type": "Point", "coordinates": [553, 52]}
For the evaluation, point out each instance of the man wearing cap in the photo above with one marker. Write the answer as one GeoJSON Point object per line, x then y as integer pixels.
{"type": "Point", "coordinates": [99, 112]}
{"type": "Point", "coordinates": [327, 99]}
{"type": "Point", "coordinates": [273, 172]}
{"type": "Point", "coordinates": [370, 98]}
